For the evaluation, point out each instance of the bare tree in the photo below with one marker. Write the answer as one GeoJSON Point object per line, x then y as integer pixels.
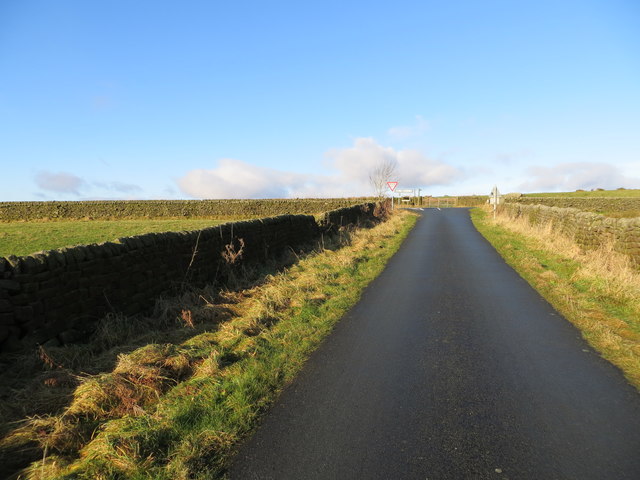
{"type": "Point", "coordinates": [381, 174]}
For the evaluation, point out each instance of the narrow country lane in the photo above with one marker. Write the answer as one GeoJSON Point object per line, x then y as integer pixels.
{"type": "Point", "coordinates": [450, 367]}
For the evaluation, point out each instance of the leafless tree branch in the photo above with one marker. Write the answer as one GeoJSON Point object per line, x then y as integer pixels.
{"type": "Point", "coordinates": [381, 174]}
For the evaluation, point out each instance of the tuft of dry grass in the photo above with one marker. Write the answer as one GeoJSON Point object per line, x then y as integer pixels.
{"type": "Point", "coordinates": [596, 290]}
{"type": "Point", "coordinates": [233, 253]}
{"type": "Point", "coordinates": [54, 398]}
{"type": "Point", "coordinates": [616, 277]}
{"type": "Point", "coordinates": [187, 318]}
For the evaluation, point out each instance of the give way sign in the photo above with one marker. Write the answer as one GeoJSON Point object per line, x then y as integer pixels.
{"type": "Point", "coordinates": [392, 185]}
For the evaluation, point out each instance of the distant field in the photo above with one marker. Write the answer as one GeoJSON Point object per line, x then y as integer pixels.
{"type": "Point", "coordinates": [615, 214]}
{"type": "Point", "coordinates": [23, 238]}
{"type": "Point", "coordinates": [610, 203]}
{"type": "Point", "coordinates": [603, 193]}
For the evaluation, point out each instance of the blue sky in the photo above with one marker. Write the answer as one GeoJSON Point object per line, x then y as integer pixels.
{"type": "Point", "coordinates": [210, 99]}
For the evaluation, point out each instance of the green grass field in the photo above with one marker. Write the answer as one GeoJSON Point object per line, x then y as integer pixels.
{"type": "Point", "coordinates": [603, 193]}
{"type": "Point", "coordinates": [615, 202]}
{"type": "Point", "coordinates": [23, 238]}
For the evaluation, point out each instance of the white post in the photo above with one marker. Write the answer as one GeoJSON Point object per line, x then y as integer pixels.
{"type": "Point", "coordinates": [494, 197]}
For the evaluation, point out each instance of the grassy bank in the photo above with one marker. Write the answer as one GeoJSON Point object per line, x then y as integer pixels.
{"type": "Point", "coordinates": [174, 406]}
{"type": "Point", "coordinates": [597, 291]}
{"type": "Point", "coordinates": [23, 238]}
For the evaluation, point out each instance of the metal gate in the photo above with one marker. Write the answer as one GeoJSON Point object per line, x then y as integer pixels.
{"type": "Point", "coordinates": [441, 202]}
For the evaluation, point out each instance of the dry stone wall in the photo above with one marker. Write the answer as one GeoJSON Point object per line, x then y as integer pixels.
{"type": "Point", "coordinates": [107, 209]}
{"type": "Point", "coordinates": [589, 230]}
{"type": "Point", "coordinates": [472, 200]}
{"type": "Point", "coordinates": [60, 293]}
{"type": "Point", "coordinates": [353, 215]}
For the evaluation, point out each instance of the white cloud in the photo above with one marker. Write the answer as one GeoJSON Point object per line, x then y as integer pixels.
{"type": "Point", "coordinates": [630, 169]}
{"type": "Point", "coordinates": [238, 179]}
{"type": "Point", "coordinates": [578, 175]}
{"type": "Point", "coordinates": [68, 183]}
{"type": "Point", "coordinates": [61, 182]}
{"type": "Point", "coordinates": [409, 131]}
{"type": "Point", "coordinates": [349, 176]}
{"type": "Point", "coordinates": [414, 168]}
{"type": "Point", "coordinates": [119, 187]}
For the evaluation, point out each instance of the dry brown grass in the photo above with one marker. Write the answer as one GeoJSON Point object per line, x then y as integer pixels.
{"type": "Point", "coordinates": [53, 398]}
{"type": "Point", "coordinates": [617, 277]}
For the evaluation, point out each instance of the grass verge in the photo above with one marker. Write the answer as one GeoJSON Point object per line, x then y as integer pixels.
{"type": "Point", "coordinates": [23, 238]}
{"type": "Point", "coordinates": [598, 291]}
{"type": "Point", "coordinates": [174, 410]}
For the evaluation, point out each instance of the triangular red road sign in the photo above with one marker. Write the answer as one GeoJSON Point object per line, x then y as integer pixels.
{"type": "Point", "coordinates": [392, 185]}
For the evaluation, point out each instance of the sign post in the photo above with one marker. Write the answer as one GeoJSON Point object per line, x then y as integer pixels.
{"type": "Point", "coordinates": [392, 186]}
{"type": "Point", "coordinates": [494, 199]}
{"type": "Point", "coordinates": [406, 192]}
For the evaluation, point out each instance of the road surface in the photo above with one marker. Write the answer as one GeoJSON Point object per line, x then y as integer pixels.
{"type": "Point", "coordinates": [450, 367]}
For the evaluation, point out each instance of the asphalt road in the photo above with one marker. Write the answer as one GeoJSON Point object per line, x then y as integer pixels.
{"type": "Point", "coordinates": [450, 367]}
